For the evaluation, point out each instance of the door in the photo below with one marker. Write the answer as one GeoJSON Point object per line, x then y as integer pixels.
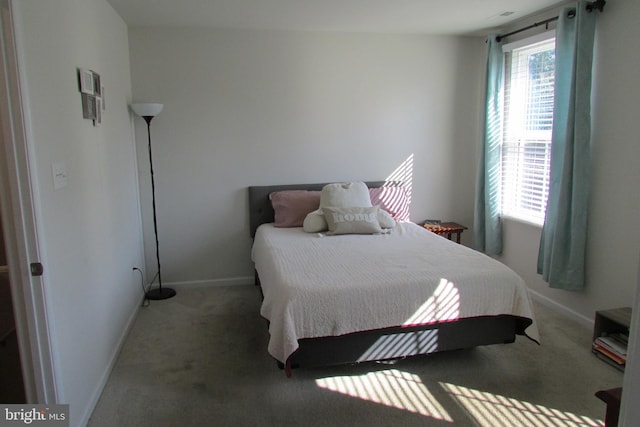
{"type": "Point", "coordinates": [19, 223]}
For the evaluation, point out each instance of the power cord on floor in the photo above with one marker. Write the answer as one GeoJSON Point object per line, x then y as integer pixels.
{"type": "Point", "coordinates": [145, 302]}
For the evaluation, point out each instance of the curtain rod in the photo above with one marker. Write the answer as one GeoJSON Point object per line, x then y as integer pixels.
{"type": "Point", "coordinates": [596, 5]}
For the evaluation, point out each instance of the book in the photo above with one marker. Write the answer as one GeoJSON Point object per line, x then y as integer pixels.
{"type": "Point", "coordinates": [432, 223]}
{"type": "Point", "coordinates": [621, 360]}
{"type": "Point", "coordinates": [612, 344]}
{"type": "Point", "coordinates": [608, 360]}
{"type": "Point", "coordinates": [621, 337]}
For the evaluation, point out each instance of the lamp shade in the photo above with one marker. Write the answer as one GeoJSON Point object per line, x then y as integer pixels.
{"type": "Point", "coordinates": [147, 110]}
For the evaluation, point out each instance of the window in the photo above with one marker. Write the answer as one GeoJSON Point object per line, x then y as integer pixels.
{"type": "Point", "coordinates": [528, 116]}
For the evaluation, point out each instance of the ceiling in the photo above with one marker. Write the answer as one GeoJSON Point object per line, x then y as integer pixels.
{"type": "Point", "coordinates": [447, 17]}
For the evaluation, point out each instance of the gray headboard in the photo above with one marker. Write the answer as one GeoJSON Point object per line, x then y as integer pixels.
{"type": "Point", "coordinates": [260, 209]}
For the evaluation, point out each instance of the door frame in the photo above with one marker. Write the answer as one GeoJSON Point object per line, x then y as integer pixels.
{"type": "Point", "coordinates": [19, 221]}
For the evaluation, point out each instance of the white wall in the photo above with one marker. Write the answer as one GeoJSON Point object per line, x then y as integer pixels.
{"type": "Point", "coordinates": [614, 235]}
{"type": "Point", "coordinates": [629, 409]}
{"type": "Point", "coordinates": [89, 231]}
{"type": "Point", "coordinates": [258, 107]}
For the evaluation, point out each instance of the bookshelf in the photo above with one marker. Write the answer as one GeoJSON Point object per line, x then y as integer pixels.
{"type": "Point", "coordinates": [610, 335]}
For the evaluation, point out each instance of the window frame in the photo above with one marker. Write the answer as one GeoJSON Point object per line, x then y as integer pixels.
{"type": "Point", "coordinates": [516, 215]}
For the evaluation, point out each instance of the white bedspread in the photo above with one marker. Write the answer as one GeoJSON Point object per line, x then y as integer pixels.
{"type": "Point", "coordinates": [316, 286]}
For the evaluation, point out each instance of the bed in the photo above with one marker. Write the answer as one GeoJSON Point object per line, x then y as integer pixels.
{"type": "Point", "coordinates": [355, 298]}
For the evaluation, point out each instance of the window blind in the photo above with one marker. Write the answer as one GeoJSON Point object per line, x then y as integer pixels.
{"type": "Point", "coordinates": [528, 119]}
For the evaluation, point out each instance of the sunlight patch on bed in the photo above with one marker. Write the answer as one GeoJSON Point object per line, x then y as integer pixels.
{"type": "Point", "coordinates": [393, 388]}
{"type": "Point", "coordinates": [492, 410]}
{"type": "Point", "coordinates": [443, 305]}
{"type": "Point", "coordinates": [402, 345]}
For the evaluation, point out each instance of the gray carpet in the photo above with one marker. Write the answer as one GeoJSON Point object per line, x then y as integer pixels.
{"type": "Point", "coordinates": [200, 359]}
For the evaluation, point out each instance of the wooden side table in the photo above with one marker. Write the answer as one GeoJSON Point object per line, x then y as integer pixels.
{"type": "Point", "coordinates": [447, 229]}
{"type": "Point", "coordinates": [612, 398]}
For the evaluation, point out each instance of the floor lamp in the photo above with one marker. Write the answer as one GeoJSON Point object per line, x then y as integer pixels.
{"type": "Point", "coordinates": [148, 112]}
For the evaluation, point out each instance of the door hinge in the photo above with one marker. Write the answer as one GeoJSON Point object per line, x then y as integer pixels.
{"type": "Point", "coordinates": [37, 269]}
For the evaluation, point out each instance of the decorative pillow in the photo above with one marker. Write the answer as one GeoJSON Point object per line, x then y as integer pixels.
{"type": "Point", "coordinates": [314, 222]}
{"type": "Point", "coordinates": [292, 206]}
{"type": "Point", "coordinates": [385, 219]}
{"type": "Point", "coordinates": [393, 200]}
{"type": "Point", "coordinates": [345, 195]}
{"type": "Point", "coordinates": [353, 220]}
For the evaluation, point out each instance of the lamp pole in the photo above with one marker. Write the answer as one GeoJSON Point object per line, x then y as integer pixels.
{"type": "Point", "coordinates": [148, 112]}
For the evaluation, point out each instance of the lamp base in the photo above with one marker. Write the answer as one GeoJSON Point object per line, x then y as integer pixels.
{"type": "Point", "coordinates": [161, 293]}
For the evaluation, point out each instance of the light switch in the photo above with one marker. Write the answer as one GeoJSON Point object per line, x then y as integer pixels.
{"type": "Point", "coordinates": [60, 177]}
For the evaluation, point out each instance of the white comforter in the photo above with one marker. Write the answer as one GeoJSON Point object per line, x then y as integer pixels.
{"type": "Point", "coordinates": [316, 286]}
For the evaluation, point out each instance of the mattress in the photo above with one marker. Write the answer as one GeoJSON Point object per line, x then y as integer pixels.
{"type": "Point", "coordinates": [316, 285]}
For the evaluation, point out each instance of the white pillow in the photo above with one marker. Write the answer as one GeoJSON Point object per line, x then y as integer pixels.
{"type": "Point", "coordinates": [345, 195]}
{"type": "Point", "coordinates": [342, 195]}
{"type": "Point", "coordinates": [314, 222]}
{"type": "Point", "coordinates": [385, 219]}
{"type": "Point", "coordinates": [352, 220]}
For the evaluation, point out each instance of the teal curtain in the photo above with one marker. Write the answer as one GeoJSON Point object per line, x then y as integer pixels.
{"type": "Point", "coordinates": [487, 225]}
{"type": "Point", "coordinates": [561, 259]}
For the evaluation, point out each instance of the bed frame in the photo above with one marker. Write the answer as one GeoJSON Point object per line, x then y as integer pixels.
{"type": "Point", "coordinates": [388, 343]}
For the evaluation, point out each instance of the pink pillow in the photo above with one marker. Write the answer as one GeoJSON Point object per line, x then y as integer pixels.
{"type": "Point", "coordinates": [393, 200]}
{"type": "Point", "coordinates": [292, 206]}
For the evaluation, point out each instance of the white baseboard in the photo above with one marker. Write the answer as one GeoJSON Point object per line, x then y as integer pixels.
{"type": "Point", "coordinates": [228, 281]}
{"type": "Point", "coordinates": [561, 309]}
{"type": "Point", "coordinates": [112, 362]}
